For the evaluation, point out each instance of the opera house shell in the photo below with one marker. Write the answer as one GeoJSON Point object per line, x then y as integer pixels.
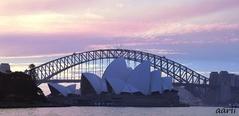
{"type": "Point", "coordinates": [118, 78]}
{"type": "Point", "coordinates": [57, 89]}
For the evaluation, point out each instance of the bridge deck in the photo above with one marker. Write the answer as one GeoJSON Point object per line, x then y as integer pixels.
{"type": "Point", "coordinates": [78, 81]}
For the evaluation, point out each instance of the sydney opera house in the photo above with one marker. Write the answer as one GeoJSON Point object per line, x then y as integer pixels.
{"type": "Point", "coordinates": [119, 80]}
{"type": "Point", "coordinates": [57, 89]}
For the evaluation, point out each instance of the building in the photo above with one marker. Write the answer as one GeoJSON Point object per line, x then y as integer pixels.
{"type": "Point", "coordinates": [92, 84]}
{"type": "Point", "coordinates": [121, 85]}
{"type": "Point", "coordinates": [118, 79]}
{"type": "Point", "coordinates": [57, 89]}
{"type": "Point", "coordinates": [5, 68]}
{"type": "Point", "coordinates": [224, 87]}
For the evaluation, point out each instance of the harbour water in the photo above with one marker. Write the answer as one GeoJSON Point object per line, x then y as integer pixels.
{"type": "Point", "coordinates": [117, 111]}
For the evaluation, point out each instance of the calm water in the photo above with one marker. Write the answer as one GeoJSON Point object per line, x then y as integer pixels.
{"type": "Point", "coordinates": [115, 111]}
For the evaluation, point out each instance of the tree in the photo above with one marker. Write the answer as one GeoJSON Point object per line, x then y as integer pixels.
{"type": "Point", "coordinates": [32, 71]}
{"type": "Point", "coordinates": [18, 86]}
{"type": "Point", "coordinates": [31, 66]}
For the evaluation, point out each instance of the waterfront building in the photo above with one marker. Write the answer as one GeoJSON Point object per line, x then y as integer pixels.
{"type": "Point", "coordinates": [57, 89]}
{"type": "Point", "coordinates": [224, 88]}
{"type": "Point", "coordinates": [118, 79]}
{"type": "Point", "coordinates": [92, 84]}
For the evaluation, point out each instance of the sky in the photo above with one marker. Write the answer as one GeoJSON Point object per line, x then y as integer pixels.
{"type": "Point", "coordinates": [201, 34]}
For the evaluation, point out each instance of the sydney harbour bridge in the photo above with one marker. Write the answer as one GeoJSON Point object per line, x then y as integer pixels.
{"type": "Point", "coordinates": [69, 68]}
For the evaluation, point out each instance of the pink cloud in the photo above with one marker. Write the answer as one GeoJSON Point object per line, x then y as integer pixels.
{"type": "Point", "coordinates": [187, 11]}
{"type": "Point", "coordinates": [132, 21]}
{"type": "Point", "coordinates": [182, 28]}
{"type": "Point", "coordinates": [14, 7]}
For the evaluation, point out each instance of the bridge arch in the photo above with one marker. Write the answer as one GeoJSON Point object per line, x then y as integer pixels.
{"type": "Point", "coordinates": [179, 72]}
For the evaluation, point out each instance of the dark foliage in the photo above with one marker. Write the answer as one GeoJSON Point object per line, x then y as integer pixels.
{"type": "Point", "coordinates": [18, 86]}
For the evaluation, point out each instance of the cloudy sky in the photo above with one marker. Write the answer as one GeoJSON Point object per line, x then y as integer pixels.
{"type": "Point", "coordinates": [202, 34]}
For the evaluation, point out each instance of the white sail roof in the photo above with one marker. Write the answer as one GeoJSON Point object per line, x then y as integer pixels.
{"type": "Point", "coordinates": [167, 83]}
{"type": "Point", "coordinates": [156, 81]}
{"type": "Point", "coordinates": [103, 85]}
{"type": "Point", "coordinates": [116, 74]}
{"type": "Point", "coordinates": [97, 83]}
{"type": "Point", "coordinates": [124, 79]}
{"type": "Point", "coordinates": [140, 78]}
{"type": "Point", "coordinates": [129, 89]}
{"type": "Point", "coordinates": [117, 69]}
{"type": "Point", "coordinates": [60, 88]}
{"type": "Point", "coordinates": [71, 88]}
{"type": "Point", "coordinates": [116, 84]}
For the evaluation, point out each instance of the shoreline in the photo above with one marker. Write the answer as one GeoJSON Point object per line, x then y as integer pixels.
{"type": "Point", "coordinates": [11, 105]}
{"type": "Point", "coordinates": [19, 105]}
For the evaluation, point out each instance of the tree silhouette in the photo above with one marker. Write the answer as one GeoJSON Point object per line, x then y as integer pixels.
{"type": "Point", "coordinates": [32, 72]}
{"type": "Point", "coordinates": [18, 86]}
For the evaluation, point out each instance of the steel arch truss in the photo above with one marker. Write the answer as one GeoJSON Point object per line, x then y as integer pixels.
{"type": "Point", "coordinates": [180, 73]}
